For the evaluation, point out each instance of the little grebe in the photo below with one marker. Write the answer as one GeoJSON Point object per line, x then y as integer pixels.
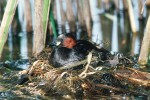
{"type": "Point", "coordinates": [70, 50]}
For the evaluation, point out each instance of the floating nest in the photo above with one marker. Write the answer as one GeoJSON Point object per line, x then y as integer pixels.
{"type": "Point", "coordinates": [89, 82]}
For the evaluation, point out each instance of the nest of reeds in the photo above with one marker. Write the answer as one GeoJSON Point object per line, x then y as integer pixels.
{"type": "Point", "coordinates": [88, 81]}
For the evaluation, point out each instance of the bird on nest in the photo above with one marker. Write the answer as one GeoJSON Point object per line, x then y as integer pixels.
{"type": "Point", "coordinates": [69, 51]}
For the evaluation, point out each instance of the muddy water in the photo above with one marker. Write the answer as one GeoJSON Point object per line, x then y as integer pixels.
{"type": "Point", "coordinates": [18, 47]}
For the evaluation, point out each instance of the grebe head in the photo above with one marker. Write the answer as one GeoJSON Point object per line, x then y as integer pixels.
{"type": "Point", "coordinates": [66, 40]}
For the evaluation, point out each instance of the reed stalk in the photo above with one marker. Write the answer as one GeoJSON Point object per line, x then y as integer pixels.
{"type": "Point", "coordinates": [117, 4]}
{"type": "Point", "coordinates": [134, 37]}
{"type": "Point", "coordinates": [141, 6]}
{"type": "Point", "coordinates": [38, 42]}
{"type": "Point", "coordinates": [96, 31]}
{"type": "Point", "coordinates": [148, 2]}
{"type": "Point", "coordinates": [58, 17]}
{"type": "Point", "coordinates": [65, 27]}
{"type": "Point", "coordinates": [63, 15]}
{"type": "Point", "coordinates": [70, 15]}
{"type": "Point", "coordinates": [131, 16]}
{"type": "Point", "coordinates": [6, 22]}
{"type": "Point", "coordinates": [45, 16]}
{"type": "Point", "coordinates": [80, 14]}
{"type": "Point", "coordinates": [28, 16]}
{"type": "Point", "coordinates": [87, 17]}
{"type": "Point", "coordinates": [125, 4]}
{"type": "Point", "coordinates": [106, 4]}
{"type": "Point", "coordinates": [145, 48]}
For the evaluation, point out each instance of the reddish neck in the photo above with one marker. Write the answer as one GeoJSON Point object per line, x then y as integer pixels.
{"type": "Point", "coordinates": [69, 42]}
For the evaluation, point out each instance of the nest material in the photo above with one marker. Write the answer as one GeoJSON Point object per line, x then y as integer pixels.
{"type": "Point", "coordinates": [88, 82]}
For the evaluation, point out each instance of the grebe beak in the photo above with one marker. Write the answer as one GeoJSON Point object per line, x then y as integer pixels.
{"type": "Point", "coordinates": [58, 43]}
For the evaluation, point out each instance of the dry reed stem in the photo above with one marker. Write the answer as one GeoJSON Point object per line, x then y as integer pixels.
{"type": "Point", "coordinates": [70, 15]}
{"type": "Point", "coordinates": [116, 4]}
{"type": "Point", "coordinates": [134, 80]}
{"type": "Point", "coordinates": [144, 53]}
{"type": "Point", "coordinates": [141, 7]}
{"type": "Point", "coordinates": [106, 4]}
{"type": "Point", "coordinates": [89, 59]}
{"type": "Point", "coordinates": [63, 15]}
{"type": "Point", "coordinates": [28, 16]}
{"type": "Point", "coordinates": [87, 17]}
{"type": "Point", "coordinates": [131, 16]}
{"type": "Point", "coordinates": [80, 14]}
{"type": "Point", "coordinates": [133, 44]}
{"type": "Point", "coordinates": [109, 87]}
{"type": "Point", "coordinates": [146, 74]}
{"type": "Point", "coordinates": [147, 2]}
{"type": "Point", "coordinates": [6, 22]}
{"type": "Point", "coordinates": [38, 43]}
{"type": "Point", "coordinates": [125, 4]}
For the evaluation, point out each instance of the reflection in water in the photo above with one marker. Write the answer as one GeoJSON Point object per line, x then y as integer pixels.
{"type": "Point", "coordinates": [106, 30]}
{"type": "Point", "coordinates": [23, 44]}
{"type": "Point", "coordinates": [133, 43]}
{"type": "Point", "coordinates": [137, 45]}
{"type": "Point", "coordinates": [96, 30]}
{"type": "Point", "coordinates": [136, 13]}
{"type": "Point", "coordinates": [18, 47]}
{"type": "Point", "coordinates": [59, 21]}
{"type": "Point", "coordinates": [122, 27]}
{"type": "Point", "coordinates": [10, 41]}
{"type": "Point", "coordinates": [115, 30]}
{"type": "Point", "coordinates": [21, 12]}
{"type": "Point", "coordinates": [114, 43]}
